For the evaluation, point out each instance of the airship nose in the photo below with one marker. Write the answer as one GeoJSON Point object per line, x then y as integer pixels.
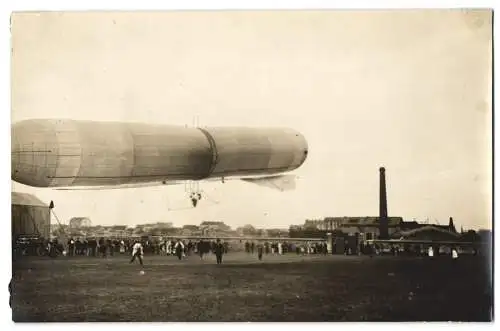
{"type": "Point", "coordinates": [303, 146]}
{"type": "Point", "coordinates": [32, 156]}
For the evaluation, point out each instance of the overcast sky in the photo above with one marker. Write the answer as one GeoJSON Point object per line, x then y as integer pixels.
{"type": "Point", "coordinates": [406, 90]}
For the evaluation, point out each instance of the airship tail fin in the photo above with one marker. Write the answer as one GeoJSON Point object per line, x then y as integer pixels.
{"type": "Point", "coordinates": [281, 182]}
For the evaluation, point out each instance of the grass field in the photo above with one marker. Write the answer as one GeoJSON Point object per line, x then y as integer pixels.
{"type": "Point", "coordinates": [288, 288]}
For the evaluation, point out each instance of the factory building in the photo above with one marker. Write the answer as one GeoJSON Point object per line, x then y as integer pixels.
{"type": "Point", "coordinates": [30, 216]}
{"type": "Point", "coordinates": [369, 226]}
{"type": "Point", "coordinates": [366, 225]}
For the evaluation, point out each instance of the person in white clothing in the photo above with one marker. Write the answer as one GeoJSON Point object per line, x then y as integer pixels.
{"type": "Point", "coordinates": [137, 252]}
{"type": "Point", "coordinates": [169, 247]}
{"type": "Point", "coordinates": [430, 252]}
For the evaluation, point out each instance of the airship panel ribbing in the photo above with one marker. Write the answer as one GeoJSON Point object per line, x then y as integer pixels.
{"type": "Point", "coordinates": [67, 153]}
{"type": "Point", "coordinates": [106, 154]}
{"type": "Point", "coordinates": [242, 151]}
{"type": "Point", "coordinates": [178, 152]}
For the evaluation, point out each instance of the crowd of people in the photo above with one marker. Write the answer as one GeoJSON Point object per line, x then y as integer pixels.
{"type": "Point", "coordinates": [103, 247]}
{"type": "Point", "coordinates": [288, 247]}
{"type": "Point", "coordinates": [110, 247]}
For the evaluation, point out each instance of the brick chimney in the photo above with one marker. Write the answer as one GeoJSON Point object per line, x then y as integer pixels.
{"type": "Point", "coordinates": [384, 226]}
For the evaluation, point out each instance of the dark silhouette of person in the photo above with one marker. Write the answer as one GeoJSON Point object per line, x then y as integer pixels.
{"type": "Point", "coordinates": [219, 251]}
{"type": "Point", "coordinates": [260, 251]}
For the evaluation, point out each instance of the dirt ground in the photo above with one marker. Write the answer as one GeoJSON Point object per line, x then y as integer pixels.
{"type": "Point", "coordinates": [281, 288]}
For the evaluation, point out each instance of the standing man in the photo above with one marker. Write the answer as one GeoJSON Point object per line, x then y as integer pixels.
{"type": "Point", "coordinates": [137, 252]}
{"type": "Point", "coordinates": [102, 247]}
{"type": "Point", "coordinates": [219, 250]}
{"type": "Point", "coordinates": [201, 248]}
{"type": "Point", "coordinates": [71, 247]}
{"type": "Point", "coordinates": [179, 249]}
{"type": "Point", "coordinates": [260, 250]}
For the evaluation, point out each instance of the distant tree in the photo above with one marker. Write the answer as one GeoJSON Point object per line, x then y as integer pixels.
{"type": "Point", "coordinates": [470, 236]}
{"type": "Point", "coordinates": [311, 224]}
{"type": "Point", "coordinates": [485, 236]}
{"type": "Point", "coordinates": [249, 230]}
{"type": "Point", "coordinates": [215, 225]}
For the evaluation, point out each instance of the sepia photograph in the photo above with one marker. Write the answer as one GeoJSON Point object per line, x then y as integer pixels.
{"type": "Point", "coordinates": [252, 166]}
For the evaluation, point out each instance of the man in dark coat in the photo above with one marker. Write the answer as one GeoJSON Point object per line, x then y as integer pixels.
{"type": "Point", "coordinates": [219, 251]}
{"type": "Point", "coordinates": [260, 250]}
{"type": "Point", "coordinates": [201, 248]}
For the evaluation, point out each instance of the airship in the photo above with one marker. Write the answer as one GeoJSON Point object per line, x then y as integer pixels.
{"type": "Point", "coordinates": [77, 154]}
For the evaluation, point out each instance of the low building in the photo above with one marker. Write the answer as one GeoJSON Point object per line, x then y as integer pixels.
{"type": "Point", "coordinates": [368, 227]}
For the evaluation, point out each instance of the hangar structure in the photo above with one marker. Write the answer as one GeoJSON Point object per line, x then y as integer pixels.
{"type": "Point", "coordinates": [30, 216]}
{"type": "Point", "coordinates": [428, 232]}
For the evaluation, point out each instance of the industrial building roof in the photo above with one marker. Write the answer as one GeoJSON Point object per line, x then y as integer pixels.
{"type": "Point", "coordinates": [426, 229]}
{"type": "Point", "coordinates": [365, 221]}
{"type": "Point", "coordinates": [26, 199]}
